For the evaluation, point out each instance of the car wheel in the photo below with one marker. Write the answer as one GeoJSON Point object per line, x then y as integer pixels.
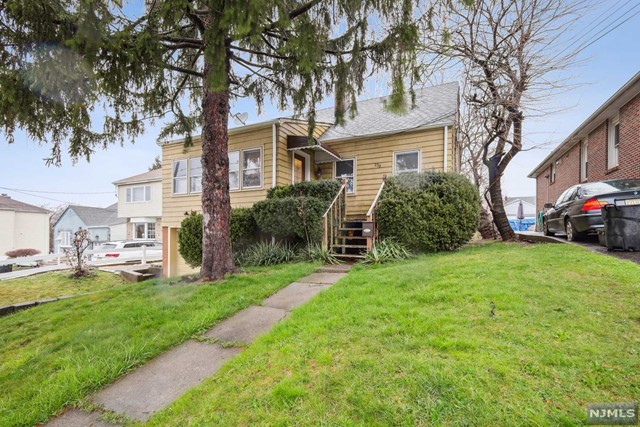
{"type": "Point", "coordinates": [545, 228]}
{"type": "Point", "coordinates": [572, 234]}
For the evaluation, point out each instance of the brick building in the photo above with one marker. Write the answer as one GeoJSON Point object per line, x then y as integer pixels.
{"type": "Point", "coordinates": [606, 146]}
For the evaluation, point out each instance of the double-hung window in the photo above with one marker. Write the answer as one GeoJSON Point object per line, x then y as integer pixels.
{"type": "Point", "coordinates": [234, 170]}
{"type": "Point", "coordinates": [144, 230]}
{"type": "Point", "coordinates": [345, 169]}
{"type": "Point", "coordinates": [251, 168]}
{"type": "Point", "coordinates": [405, 162]}
{"type": "Point", "coordinates": [139, 194]}
{"type": "Point", "coordinates": [180, 177]}
{"type": "Point", "coordinates": [613, 142]}
{"type": "Point", "coordinates": [195, 175]}
{"type": "Point", "coordinates": [584, 160]}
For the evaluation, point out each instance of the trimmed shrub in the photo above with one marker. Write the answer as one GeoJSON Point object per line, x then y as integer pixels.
{"type": "Point", "coordinates": [291, 217]}
{"type": "Point", "coordinates": [324, 189]}
{"type": "Point", "coordinates": [243, 228]}
{"type": "Point", "coordinates": [243, 232]}
{"type": "Point", "coordinates": [17, 253]}
{"type": "Point", "coordinates": [190, 239]}
{"type": "Point", "coordinates": [431, 211]}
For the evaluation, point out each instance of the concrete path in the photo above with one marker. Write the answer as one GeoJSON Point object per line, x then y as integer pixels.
{"type": "Point", "coordinates": [31, 271]}
{"type": "Point", "coordinates": [155, 385]}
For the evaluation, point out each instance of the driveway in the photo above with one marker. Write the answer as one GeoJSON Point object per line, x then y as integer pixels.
{"type": "Point", "coordinates": [591, 243]}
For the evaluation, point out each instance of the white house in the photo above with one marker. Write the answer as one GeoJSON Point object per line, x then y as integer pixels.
{"type": "Point", "coordinates": [23, 226]}
{"type": "Point", "coordinates": [140, 204]}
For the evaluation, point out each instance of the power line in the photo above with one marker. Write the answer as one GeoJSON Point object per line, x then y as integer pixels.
{"type": "Point", "coordinates": [612, 29]}
{"type": "Point", "coordinates": [55, 192]}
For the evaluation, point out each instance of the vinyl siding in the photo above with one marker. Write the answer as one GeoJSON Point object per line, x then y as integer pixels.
{"type": "Point", "coordinates": [174, 206]}
{"type": "Point", "coordinates": [374, 160]}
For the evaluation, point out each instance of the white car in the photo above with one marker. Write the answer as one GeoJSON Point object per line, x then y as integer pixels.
{"type": "Point", "coordinates": [129, 249]}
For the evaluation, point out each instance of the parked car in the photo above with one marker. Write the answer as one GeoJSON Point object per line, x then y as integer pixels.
{"type": "Point", "coordinates": [577, 212]}
{"type": "Point", "coordinates": [154, 249]}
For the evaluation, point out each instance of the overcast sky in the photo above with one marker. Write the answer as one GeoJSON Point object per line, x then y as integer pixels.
{"type": "Point", "coordinates": [606, 66]}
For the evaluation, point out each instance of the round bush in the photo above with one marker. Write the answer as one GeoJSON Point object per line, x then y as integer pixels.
{"type": "Point", "coordinates": [243, 233]}
{"type": "Point", "coordinates": [190, 239]}
{"type": "Point", "coordinates": [428, 212]}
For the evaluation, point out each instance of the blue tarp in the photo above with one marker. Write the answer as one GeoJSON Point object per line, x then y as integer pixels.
{"type": "Point", "coordinates": [522, 224]}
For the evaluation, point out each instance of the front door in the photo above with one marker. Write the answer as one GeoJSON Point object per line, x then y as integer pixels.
{"type": "Point", "coordinates": [299, 168]}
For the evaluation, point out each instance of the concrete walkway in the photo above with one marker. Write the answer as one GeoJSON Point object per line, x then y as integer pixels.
{"type": "Point", "coordinates": [156, 384]}
{"type": "Point", "coordinates": [31, 271]}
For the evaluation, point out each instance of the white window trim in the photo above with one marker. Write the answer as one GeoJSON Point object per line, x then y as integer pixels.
{"type": "Point", "coordinates": [307, 171]}
{"type": "Point", "coordinates": [257, 187]}
{"type": "Point", "coordinates": [554, 172]}
{"type": "Point", "coordinates": [613, 152]}
{"type": "Point", "coordinates": [173, 178]}
{"type": "Point", "coordinates": [129, 192]}
{"type": "Point", "coordinates": [146, 231]}
{"type": "Point", "coordinates": [395, 153]}
{"type": "Point", "coordinates": [355, 174]}
{"type": "Point", "coordinates": [190, 176]}
{"type": "Point", "coordinates": [584, 159]}
{"type": "Point", "coordinates": [239, 187]}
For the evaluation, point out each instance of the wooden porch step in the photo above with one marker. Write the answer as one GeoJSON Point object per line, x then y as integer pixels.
{"type": "Point", "coordinates": [351, 256]}
{"type": "Point", "coordinates": [350, 246]}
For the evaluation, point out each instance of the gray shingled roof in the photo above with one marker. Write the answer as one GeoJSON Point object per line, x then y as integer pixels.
{"type": "Point", "coordinates": [9, 204]}
{"type": "Point", "coordinates": [96, 216]}
{"type": "Point", "coordinates": [154, 175]}
{"type": "Point", "coordinates": [435, 105]}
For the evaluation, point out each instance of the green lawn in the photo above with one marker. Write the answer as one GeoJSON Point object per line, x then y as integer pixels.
{"type": "Point", "coordinates": [56, 354]}
{"type": "Point", "coordinates": [50, 285]}
{"type": "Point", "coordinates": [414, 344]}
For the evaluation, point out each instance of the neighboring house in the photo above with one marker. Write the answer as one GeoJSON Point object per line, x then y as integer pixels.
{"type": "Point", "coordinates": [103, 225]}
{"type": "Point", "coordinates": [22, 226]}
{"type": "Point", "coordinates": [373, 144]}
{"type": "Point", "coordinates": [606, 146]}
{"type": "Point", "coordinates": [140, 205]}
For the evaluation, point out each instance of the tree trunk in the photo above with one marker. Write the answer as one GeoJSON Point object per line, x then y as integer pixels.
{"type": "Point", "coordinates": [217, 259]}
{"type": "Point", "coordinates": [497, 202]}
{"type": "Point", "coordinates": [487, 229]}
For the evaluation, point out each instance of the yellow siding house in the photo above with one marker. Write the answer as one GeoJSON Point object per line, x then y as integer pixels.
{"type": "Point", "coordinates": [374, 144]}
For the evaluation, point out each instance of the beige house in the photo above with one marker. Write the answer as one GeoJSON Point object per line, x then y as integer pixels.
{"type": "Point", "coordinates": [23, 226]}
{"type": "Point", "coordinates": [140, 206]}
{"type": "Point", "coordinates": [368, 147]}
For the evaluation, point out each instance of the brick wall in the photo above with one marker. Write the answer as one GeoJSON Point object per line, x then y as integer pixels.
{"type": "Point", "coordinates": [568, 171]}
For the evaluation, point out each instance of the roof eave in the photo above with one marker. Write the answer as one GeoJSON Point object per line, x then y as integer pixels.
{"type": "Point", "coordinates": [392, 132]}
{"type": "Point", "coordinates": [577, 134]}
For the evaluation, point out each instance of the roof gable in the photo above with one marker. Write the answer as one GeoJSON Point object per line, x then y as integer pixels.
{"type": "Point", "coordinates": [9, 204]}
{"type": "Point", "coordinates": [149, 176]}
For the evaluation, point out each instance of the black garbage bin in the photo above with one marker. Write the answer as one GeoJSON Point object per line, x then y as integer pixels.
{"type": "Point", "coordinates": [621, 227]}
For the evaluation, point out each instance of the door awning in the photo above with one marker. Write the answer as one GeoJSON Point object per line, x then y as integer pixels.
{"type": "Point", "coordinates": [323, 154]}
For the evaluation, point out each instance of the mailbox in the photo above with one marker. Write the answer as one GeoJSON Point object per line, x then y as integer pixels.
{"type": "Point", "coordinates": [367, 229]}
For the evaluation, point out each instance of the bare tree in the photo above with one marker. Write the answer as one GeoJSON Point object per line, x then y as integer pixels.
{"type": "Point", "coordinates": [75, 255]}
{"type": "Point", "coordinates": [508, 53]}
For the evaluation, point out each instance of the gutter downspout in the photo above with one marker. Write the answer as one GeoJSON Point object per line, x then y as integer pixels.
{"type": "Point", "coordinates": [446, 148]}
{"type": "Point", "coordinates": [274, 154]}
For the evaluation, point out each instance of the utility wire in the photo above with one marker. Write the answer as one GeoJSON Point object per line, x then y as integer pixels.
{"type": "Point", "coordinates": [54, 192]}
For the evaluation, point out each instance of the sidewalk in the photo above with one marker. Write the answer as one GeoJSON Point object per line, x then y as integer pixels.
{"type": "Point", "coordinates": [156, 384]}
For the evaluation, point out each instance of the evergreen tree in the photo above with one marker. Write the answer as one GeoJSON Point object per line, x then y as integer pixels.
{"type": "Point", "coordinates": [188, 59]}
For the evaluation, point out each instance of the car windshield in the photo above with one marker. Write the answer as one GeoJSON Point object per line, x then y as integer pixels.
{"type": "Point", "coordinates": [108, 246]}
{"type": "Point", "coordinates": [610, 186]}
